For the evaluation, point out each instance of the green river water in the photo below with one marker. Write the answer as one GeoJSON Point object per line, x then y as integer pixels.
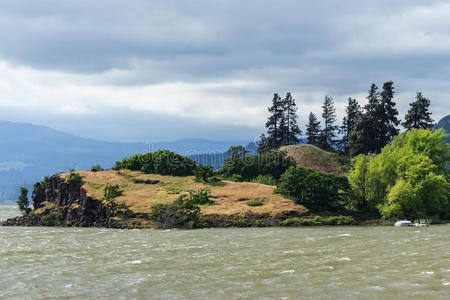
{"type": "Point", "coordinates": [236, 263]}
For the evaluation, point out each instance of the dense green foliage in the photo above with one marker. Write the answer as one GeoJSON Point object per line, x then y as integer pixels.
{"type": "Point", "coordinates": [112, 191]}
{"type": "Point", "coordinates": [265, 179]}
{"type": "Point", "coordinates": [124, 212]}
{"type": "Point", "coordinates": [74, 178]}
{"type": "Point", "coordinates": [418, 115]}
{"type": "Point", "coordinates": [23, 203]}
{"type": "Point", "coordinates": [162, 162]}
{"type": "Point", "coordinates": [248, 167]}
{"type": "Point", "coordinates": [407, 179]}
{"type": "Point", "coordinates": [255, 203]}
{"type": "Point", "coordinates": [352, 114]}
{"type": "Point", "coordinates": [203, 173]}
{"type": "Point", "coordinates": [44, 182]}
{"type": "Point", "coordinates": [315, 190]}
{"type": "Point", "coordinates": [182, 213]}
{"type": "Point", "coordinates": [200, 197]}
{"type": "Point", "coordinates": [97, 168]}
{"type": "Point", "coordinates": [318, 220]}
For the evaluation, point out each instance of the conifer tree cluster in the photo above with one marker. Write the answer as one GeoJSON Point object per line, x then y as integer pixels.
{"type": "Point", "coordinates": [364, 129]}
{"type": "Point", "coordinates": [282, 124]}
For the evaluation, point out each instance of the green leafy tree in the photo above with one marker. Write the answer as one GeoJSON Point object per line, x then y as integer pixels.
{"type": "Point", "coordinates": [418, 115]}
{"type": "Point", "coordinates": [23, 203]}
{"type": "Point", "coordinates": [407, 179]}
{"type": "Point", "coordinates": [112, 191]}
{"type": "Point", "coordinates": [74, 179]}
{"type": "Point", "coordinates": [96, 168]}
{"type": "Point", "coordinates": [313, 130]}
{"type": "Point", "coordinates": [329, 131]}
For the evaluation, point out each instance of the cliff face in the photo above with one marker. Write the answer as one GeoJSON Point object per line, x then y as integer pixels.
{"type": "Point", "coordinates": [61, 204]}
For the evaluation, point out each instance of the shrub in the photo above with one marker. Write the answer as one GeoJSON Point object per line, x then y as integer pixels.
{"type": "Point", "coordinates": [182, 213]}
{"type": "Point", "coordinates": [52, 219]}
{"type": "Point", "coordinates": [237, 178]}
{"type": "Point", "coordinates": [318, 221]}
{"type": "Point", "coordinates": [273, 163]}
{"type": "Point", "coordinates": [203, 173]}
{"type": "Point", "coordinates": [124, 212]}
{"type": "Point", "coordinates": [74, 178]}
{"type": "Point", "coordinates": [96, 168]}
{"type": "Point", "coordinates": [162, 162]}
{"type": "Point", "coordinates": [265, 179]}
{"type": "Point", "coordinates": [255, 203]}
{"type": "Point", "coordinates": [23, 202]}
{"type": "Point", "coordinates": [44, 182]}
{"type": "Point", "coordinates": [112, 191]}
{"type": "Point", "coordinates": [202, 196]}
{"type": "Point", "coordinates": [315, 190]}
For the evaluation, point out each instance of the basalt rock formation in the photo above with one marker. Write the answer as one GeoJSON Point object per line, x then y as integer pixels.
{"type": "Point", "coordinates": [61, 204]}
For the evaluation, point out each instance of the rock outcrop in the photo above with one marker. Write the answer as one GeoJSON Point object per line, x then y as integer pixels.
{"type": "Point", "coordinates": [61, 204]}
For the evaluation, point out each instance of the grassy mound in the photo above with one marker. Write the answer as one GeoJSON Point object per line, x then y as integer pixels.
{"type": "Point", "coordinates": [141, 191]}
{"type": "Point", "coordinates": [310, 156]}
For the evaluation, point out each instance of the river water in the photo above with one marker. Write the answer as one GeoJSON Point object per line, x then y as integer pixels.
{"type": "Point", "coordinates": [256, 263]}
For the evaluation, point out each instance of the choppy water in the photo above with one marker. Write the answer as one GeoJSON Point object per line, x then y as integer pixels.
{"type": "Point", "coordinates": [258, 263]}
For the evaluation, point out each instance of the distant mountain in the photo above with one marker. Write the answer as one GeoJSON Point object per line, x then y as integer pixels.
{"type": "Point", "coordinates": [30, 152]}
{"type": "Point", "coordinates": [445, 123]}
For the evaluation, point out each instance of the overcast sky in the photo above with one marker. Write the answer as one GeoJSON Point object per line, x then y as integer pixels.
{"type": "Point", "coordinates": [165, 70]}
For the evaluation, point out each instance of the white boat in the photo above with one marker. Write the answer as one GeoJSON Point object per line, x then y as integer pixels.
{"type": "Point", "coordinates": [400, 223]}
{"type": "Point", "coordinates": [422, 222]}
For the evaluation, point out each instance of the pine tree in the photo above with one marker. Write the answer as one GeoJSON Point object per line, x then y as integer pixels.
{"type": "Point", "coordinates": [329, 130]}
{"type": "Point", "coordinates": [312, 130]}
{"type": "Point", "coordinates": [263, 144]}
{"type": "Point", "coordinates": [353, 113]}
{"type": "Point", "coordinates": [289, 123]}
{"type": "Point", "coordinates": [418, 116]}
{"type": "Point", "coordinates": [275, 135]}
{"type": "Point", "coordinates": [23, 202]}
{"type": "Point", "coordinates": [365, 136]}
{"type": "Point", "coordinates": [388, 115]}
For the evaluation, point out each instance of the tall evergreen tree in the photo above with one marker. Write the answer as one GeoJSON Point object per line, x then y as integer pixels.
{"type": "Point", "coordinates": [352, 114]}
{"type": "Point", "coordinates": [23, 203]}
{"type": "Point", "coordinates": [275, 134]}
{"type": "Point", "coordinates": [289, 123]}
{"type": "Point", "coordinates": [365, 136]}
{"type": "Point", "coordinates": [263, 144]}
{"type": "Point", "coordinates": [388, 115]}
{"type": "Point", "coordinates": [418, 116]}
{"type": "Point", "coordinates": [312, 130]}
{"type": "Point", "coordinates": [329, 128]}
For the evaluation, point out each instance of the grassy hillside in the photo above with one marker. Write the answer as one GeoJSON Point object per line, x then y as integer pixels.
{"type": "Point", "coordinates": [141, 191]}
{"type": "Point", "coordinates": [310, 156]}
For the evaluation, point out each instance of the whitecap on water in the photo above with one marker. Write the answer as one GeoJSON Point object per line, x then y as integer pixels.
{"type": "Point", "coordinates": [344, 234]}
{"type": "Point", "coordinates": [287, 271]}
{"type": "Point", "coordinates": [427, 273]}
{"type": "Point", "coordinates": [344, 259]}
{"type": "Point", "coordinates": [135, 262]}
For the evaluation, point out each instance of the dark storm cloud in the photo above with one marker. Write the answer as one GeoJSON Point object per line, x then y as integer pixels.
{"type": "Point", "coordinates": [308, 47]}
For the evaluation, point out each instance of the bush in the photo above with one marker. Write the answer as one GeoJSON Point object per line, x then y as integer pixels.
{"type": "Point", "coordinates": [315, 190]}
{"type": "Point", "coordinates": [23, 202]}
{"type": "Point", "coordinates": [112, 191]}
{"type": "Point", "coordinates": [162, 162]}
{"type": "Point", "coordinates": [265, 179]}
{"type": "Point", "coordinates": [255, 203]}
{"type": "Point", "coordinates": [52, 219]}
{"type": "Point", "coordinates": [44, 182]}
{"type": "Point", "coordinates": [273, 163]}
{"type": "Point", "coordinates": [182, 213]}
{"type": "Point", "coordinates": [237, 178]}
{"type": "Point", "coordinates": [318, 221]}
{"type": "Point", "coordinates": [124, 212]}
{"type": "Point", "coordinates": [202, 196]}
{"type": "Point", "coordinates": [97, 168]}
{"type": "Point", "coordinates": [74, 178]}
{"type": "Point", "coordinates": [203, 173]}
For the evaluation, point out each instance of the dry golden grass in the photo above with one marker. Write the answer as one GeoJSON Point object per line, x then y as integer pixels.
{"type": "Point", "coordinates": [310, 156]}
{"type": "Point", "coordinates": [229, 197]}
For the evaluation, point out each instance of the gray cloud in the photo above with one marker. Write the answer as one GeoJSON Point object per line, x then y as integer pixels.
{"type": "Point", "coordinates": [209, 54]}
